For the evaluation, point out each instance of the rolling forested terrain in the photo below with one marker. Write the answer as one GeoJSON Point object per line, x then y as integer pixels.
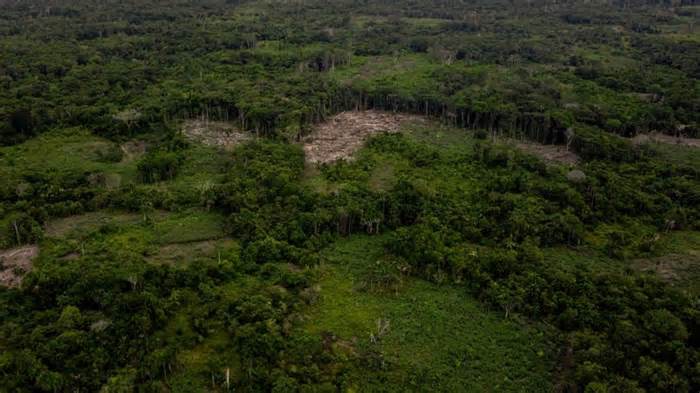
{"type": "Point", "coordinates": [350, 196]}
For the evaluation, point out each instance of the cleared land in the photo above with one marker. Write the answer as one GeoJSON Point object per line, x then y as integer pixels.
{"type": "Point", "coordinates": [343, 134]}
{"type": "Point", "coordinates": [87, 222]}
{"type": "Point", "coordinates": [677, 262]}
{"type": "Point", "coordinates": [214, 133]}
{"type": "Point", "coordinates": [15, 263]}
{"type": "Point", "coordinates": [412, 326]}
{"type": "Point", "coordinates": [71, 152]}
{"type": "Point", "coordinates": [182, 253]}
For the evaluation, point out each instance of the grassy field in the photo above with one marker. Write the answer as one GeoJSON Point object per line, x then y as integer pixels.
{"type": "Point", "coordinates": [65, 152]}
{"type": "Point", "coordinates": [161, 237]}
{"type": "Point", "coordinates": [676, 261]}
{"type": "Point", "coordinates": [427, 337]}
{"type": "Point", "coordinates": [381, 170]}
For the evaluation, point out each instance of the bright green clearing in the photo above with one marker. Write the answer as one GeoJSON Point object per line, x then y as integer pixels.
{"type": "Point", "coordinates": [438, 337]}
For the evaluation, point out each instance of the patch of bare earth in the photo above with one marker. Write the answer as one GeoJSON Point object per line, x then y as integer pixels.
{"type": "Point", "coordinates": [214, 133]}
{"type": "Point", "coordinates": [554, 154]}
{"type": "Point", "coordinates": [15, 263]}
{"type": "Point", "coordinates": [663, 138]}
{"type": "Point", "coordinates": [343, 134]}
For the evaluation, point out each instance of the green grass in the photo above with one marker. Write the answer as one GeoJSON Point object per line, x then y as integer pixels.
{"type": "Point", "coordinates": [582, 257]}
{"type": "Point", "coordinates": [164, 238]}
{"type": "Point", "coordinates": [449, 139]}
{"type": "Point", "coordinates": [84, 224]}
{"type": "Point", "coordinates": [404, 74]}
{"type": "Point", "coordinates": [189, 226]}
{"type": "Point", "coordinates": [181, 254]}
{"type": "Point", "coordinates": [680, 242]}
{"type": "Point", "coordinates": [439, 338]}
{"type": "Point", "coordinates": [76, 151]}
{"type": "Point", "coordinates": [676, 261]}
{"type": "Point", "coordinates": [313, 179]}
{"type": "Point", "coordinates": [385, 168]}
{"type": "Point", "coordinates": [677, 154]}
{"type": "Point", "coordinates": [72, 150]}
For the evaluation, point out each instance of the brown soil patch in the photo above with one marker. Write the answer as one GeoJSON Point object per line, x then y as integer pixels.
{"type": "Point", "coordinates": [554, 154]}
{"type": "Point", "coordinates": [214, 133]}
{"type": "Point", "coordinates": [343, 134]}
{"type": "Point", "coordinates": [15, 263]}
{"type": "Point", "coordinates": [663, 138]}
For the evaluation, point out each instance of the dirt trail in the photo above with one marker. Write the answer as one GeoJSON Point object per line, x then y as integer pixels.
{"type": "Point", "coordinates": [214, 133]}
{"type": "Point", "coordinates": [343, 134]}
{"type": "Point", "coordinates": [15, 263]}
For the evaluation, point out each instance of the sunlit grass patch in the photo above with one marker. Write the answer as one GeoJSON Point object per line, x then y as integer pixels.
{"type": "Point", "coordinates": [189, 227]}
{"type": "Point", "coordinates": [415, 330]}
{"type": "Point", "coordinates": [68, 151]}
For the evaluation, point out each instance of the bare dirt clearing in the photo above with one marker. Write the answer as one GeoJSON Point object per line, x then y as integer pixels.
{"type": "Point", "coordinates": [554, 154]}
{"type": "Point", "coordinates": [15, 263]}
{"type": "Point", "coordinates": [343, 134]}
{"type": "Point", "coordinates": [214, 133]}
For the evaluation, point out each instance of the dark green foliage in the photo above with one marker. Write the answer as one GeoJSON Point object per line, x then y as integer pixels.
{"type": "Point", "coordinates": [98, 314]}
{"type": "Point", "coordinates": [590, 308]}
{"type": "Point", "coordinates": [247, 68]}
{"type": "Point", "coordinates": [19, 228]}
{"type": "Point", "coordinates": [593, 144]}
{"type": "Point", "coordinates": [159, 165]}
{"type": "Point", "coordinates": [18, 126]}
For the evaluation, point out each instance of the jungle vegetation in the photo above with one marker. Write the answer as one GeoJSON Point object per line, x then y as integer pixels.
{"type": "Point", "coordinates": [437, 259]}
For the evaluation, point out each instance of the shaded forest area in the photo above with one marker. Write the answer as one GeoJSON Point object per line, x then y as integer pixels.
{"type": "Point", "coordinates": [165, 264]}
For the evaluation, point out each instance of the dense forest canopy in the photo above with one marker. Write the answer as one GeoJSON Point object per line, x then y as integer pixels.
{"type": "Point", "coordinates": [162, 227]}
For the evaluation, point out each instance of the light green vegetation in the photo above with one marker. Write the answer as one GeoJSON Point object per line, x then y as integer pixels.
{"type": "Point", "coordinates": [162, 237]}
{"type": "Point", "coordinates": [677, 261]}
{"type": "Point", "coordinates": [380, 170]}
{"type": "Point", "coordinates": [407, 72]}
{"type": "Point", "coordinates": [84, 224]}
{"type": "Point", "coordinates": [436, 338]}
{"type": "Point", "coordinates": [672, 256]}
{"type": "Point", "coordinates": [73, 151]}
{"type": "Point", "coordinates": [677, 154]}
{"type": "Point", "coordinates": [451, 140]}
{"type": "Point", "coordinates": [188, 227]}
{"type": "Point", "coordinates": [202, 165]}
